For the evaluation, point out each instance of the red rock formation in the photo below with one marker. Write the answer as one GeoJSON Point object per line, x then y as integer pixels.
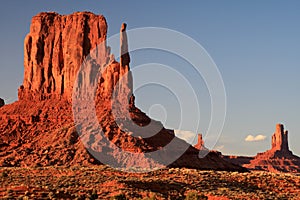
{"type": "Point", "coordinates": [39, 129]}
{"type": "Point", "coordinates": [2, 103]}
{"type": "Point", "coordinates": [278, 159]}
{"type": "Point", "coordinates": [280, 139]}
{"type": "Point", "coordinates": [280, 147]}
{"type": "Point", "coordinates": [55, 49]}
{"type": "Point", "coordinates": [200, 143]}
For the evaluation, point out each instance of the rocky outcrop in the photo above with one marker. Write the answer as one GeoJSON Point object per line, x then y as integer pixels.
{"type": "Point", "coordinates": [2, 103]}
{"type": "Point", "coordinates": [55, 49]}
{"type": "Point", "coordinates": [200, 143]}
{"type": "Point", "coordinates": [280, 139]}
{"type": "Point", "coordinates": [278, 159]}
{"type": "Point", "coordinates": [280, 147]}
{"type": "Point", "coordinates": [63, 56]}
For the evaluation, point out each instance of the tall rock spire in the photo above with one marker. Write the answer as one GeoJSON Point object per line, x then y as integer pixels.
{"type": "Point", "coordinates": [280, 139]}
{"type": "Point", "coordinates": [125, 83]}
{"type": "Point", "coordinates": [200, 142]}
{"type": "Point", "coordinates": [125, 58]}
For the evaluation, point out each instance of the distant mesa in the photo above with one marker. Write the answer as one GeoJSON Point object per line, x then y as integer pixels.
{"type": "Point", "coordinates": [278, 159]}
{"type": "Point", "coordinates": [2, 103]}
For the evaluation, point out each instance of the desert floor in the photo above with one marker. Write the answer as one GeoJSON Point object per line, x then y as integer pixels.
{"type": "Point", "coordinates": [105, 183]}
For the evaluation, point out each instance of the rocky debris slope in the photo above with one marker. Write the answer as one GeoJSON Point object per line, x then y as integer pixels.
{"type": "Point", "coordinates": [62, 96]}
{"type": "Point", "coordinates": [278, 159]}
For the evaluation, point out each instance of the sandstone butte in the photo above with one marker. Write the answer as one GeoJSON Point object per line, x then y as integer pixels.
{"type": "Point", "coordinates": [278, 159]}
{"type": "Point", "coordinates": [39, 128]}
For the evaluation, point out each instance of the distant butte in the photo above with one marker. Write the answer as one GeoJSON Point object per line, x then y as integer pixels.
{"type": "Point", "coordinates": [278, 159]}
{"type": "Point", "coordinates": [280, 146]}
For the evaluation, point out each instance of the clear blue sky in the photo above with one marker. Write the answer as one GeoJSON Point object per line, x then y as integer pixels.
{"type": "Point", "coordinates": [255, 44]}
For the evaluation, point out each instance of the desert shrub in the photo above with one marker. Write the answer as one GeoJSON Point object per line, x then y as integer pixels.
{"type": "Point", "coordinates": [193, 195]}
{"type": "Point", "coordinates": [4, 174]}
{"type": "Point", "coordinates": [94, 195]}
{"type": "Point", "coordinates": [149, 198]}
{"type": "Point", "coordinates": [118, 197]}
{"type": "Point", "coordinates": [152, 197]}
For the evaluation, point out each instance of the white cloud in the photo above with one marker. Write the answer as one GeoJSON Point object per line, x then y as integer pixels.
{"type": "Point", "coordinates": [251, 138]}
{"type": "Point", "coordinates": [188, 136]}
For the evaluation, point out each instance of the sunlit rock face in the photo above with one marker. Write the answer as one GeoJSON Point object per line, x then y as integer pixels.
{"type": "Point", "coordinates": [54, 50]}
{"type": "Point", "coordinates": [280, 139]}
